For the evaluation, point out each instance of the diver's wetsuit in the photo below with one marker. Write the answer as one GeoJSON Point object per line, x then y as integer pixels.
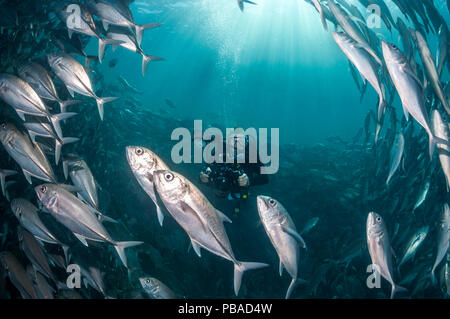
{"type": "Point", "coordinates": [224, 178]}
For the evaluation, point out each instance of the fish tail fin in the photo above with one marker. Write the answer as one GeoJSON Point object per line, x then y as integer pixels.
{"type": "Point", "coordinates": [101, 102]}
{"type": "Point", "coordinates": [121, 246]}
{"type": "Point", "coordinates": [60, 143]}
{"type": "Point", "coordinates": [3, 175]}
{"type": "Point", "coordinates": [396, 289]}
{"type": "Point", "coordinates": [102, 43]}
{"type": "Point", "coordinates": [141, 28]}
{"type": "Point", "coordinates": [240, 268]}
{"type": "Point", "coordinates": [146, 59]}
{"type": "Point", "coordinates": [57, 118]}
{"type": "Point", "coordinates": [294, 283]}
{"type": "Point", "coordinates": [64, 104]}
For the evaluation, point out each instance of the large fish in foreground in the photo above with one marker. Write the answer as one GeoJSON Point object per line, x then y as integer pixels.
{"type": "Point", "coordinates": [380, 250]}
{"type": "Point", "coordinates": [201, 221]}
{"type": "Point", "coordinates": [443, 239]}
{"type": "Point", "coordinates": [409, 88]}
{"type": "Point", "coordinates": [29, 156]}
{"type": "Point", "coordinates": [283, 235]}
{"type": "Point", "coordinates": [78, 217]}
{"type": "Point", "coordinates": [74, 76]}
{"type": "Point", "coordinates": [144, 163]}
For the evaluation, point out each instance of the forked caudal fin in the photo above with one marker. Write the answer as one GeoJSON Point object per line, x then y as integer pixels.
{"type": "Point", "coordinates": [146, 59]}
{"type": "Point", "coordinates": [64, 104]}
{"type": "Point", "coordinates": [396, 289]}
{"type": "Point", "coordinates": [102, 43]}
{"type": "Point", "coordinates": [294, 283]}
{"type": "Point", "coordinates": [240, 268]}
{"type": "Point", "coordinates": [140, 30]}
{"type": "Point", "coordinates": [101, 102]}
{"type": "Point", "coordinates": [60, 143]}
{"type": "Point", "coordinates": [121, 246]}
{"type": "Point", "coordinates": [56, 118]}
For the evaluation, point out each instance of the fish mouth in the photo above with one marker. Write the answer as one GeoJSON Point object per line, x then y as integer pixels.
{"type": "Point", "coordinates": [371, 219]}
{"type": "Point", "coordinates": [261, 201]}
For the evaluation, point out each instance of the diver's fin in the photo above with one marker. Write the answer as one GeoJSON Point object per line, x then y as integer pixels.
{"type": "Point", "coordinates": [240, 268]}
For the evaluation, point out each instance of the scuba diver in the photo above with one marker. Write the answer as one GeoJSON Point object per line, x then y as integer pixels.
{"type": "Point", "coordinates": [232, 180]}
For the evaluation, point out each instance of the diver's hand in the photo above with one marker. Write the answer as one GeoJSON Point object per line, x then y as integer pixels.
{"type": "Point", "coordinates": [243, 180]}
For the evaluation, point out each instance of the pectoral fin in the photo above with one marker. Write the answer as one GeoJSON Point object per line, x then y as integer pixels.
{"type": "Point", "coordinates": [82, 239]}
{"type": "Point", "coordinates": [196, 248]}
{"type": "Point", "coordinates": [223, 217]}
{"type": "Point", "coordinates": [294, 234]}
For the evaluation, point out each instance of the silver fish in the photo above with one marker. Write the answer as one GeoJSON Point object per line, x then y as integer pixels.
{"type": "Point", "coordinates": [156, 289]}
{"type": "Point", "coordinates": [4, 173]}
{"type": "Point", "coordinates": [34, 252]}
{"type": "Point", "coordinates": [409, 88]}
{"type": "Point", "coordinates": [39, 79]}
{"type": "Point", "coordinates": [430, 68]}
{"type": "Point", "coordinates": [29, 156]}
{"type": "Point", "coordinates": [443, 239]}
{"type": "Point", "coordinates": [380, 249]}
{"type": "Point", "coordinates": [283, 235]}
{"type": "Point", "coordinates": [74, 76]}
{"type": "Point", "coordinates": [351, 29]}
{"type": "Point", "coordinates": [116, 12]}
{"type": "Point", "coordinates": [143, 164]}
{"type": "Point", "coordinates": [78, 217]}
{"type": "Point", "coordinates": [21, 96]}
{"type": "Point", "coordinates": [360, 58]}
{"type": "Point", "coordinates": [414, 244]}
{"type": "Point", "coordinates": [396, 155]}
{"type": "Point", "coordinates": [441, 131]}
{"type": "Point", "coordinates": [39, 127]}
{"type": "Point", "coordinates": [83, 179]}
{"type": "Point", "coordinates": [128, 42]}
{"type": "Point", "coordinates": [201, 221]}
{"type": "Point", "coordinates": [18, 275]}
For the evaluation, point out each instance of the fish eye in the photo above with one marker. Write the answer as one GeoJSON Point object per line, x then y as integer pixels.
{"type": "Point", "coordinates": [168, 177]}
{"type": "Point", "coordinates": [43, 189]}
{"type": "Point", "coordinates": [272, 202]}
{"type": "Point", "coordinates": [3, 125]}
{"type": "Point", "coordinates": [394, 46]}
{"type": "Point", "coordinates": [378, 219]}
{"type": "Point", "coordinates": [139, 151]}
{"type": "Point", "coordinates": [147, 281]}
